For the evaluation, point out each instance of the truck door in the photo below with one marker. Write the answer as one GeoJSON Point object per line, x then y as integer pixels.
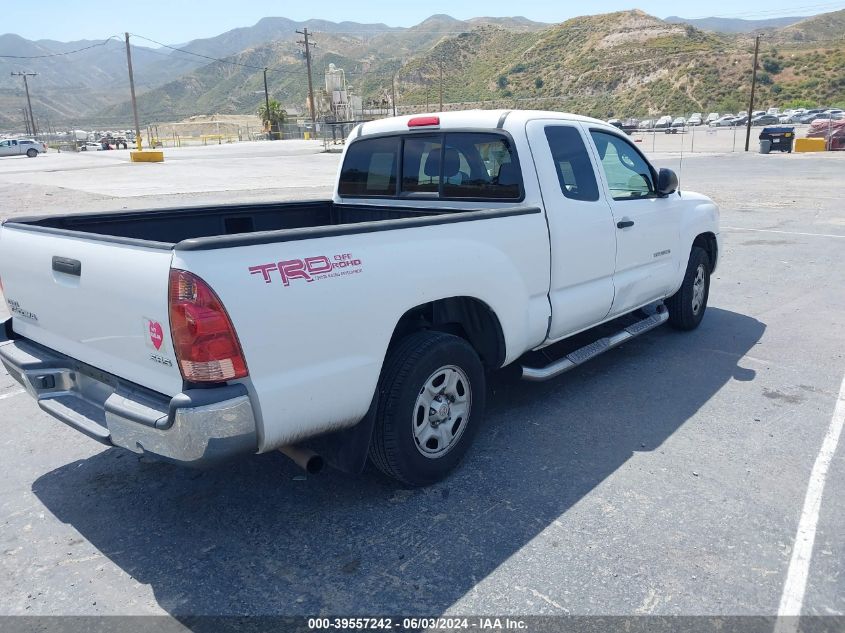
{"type": "Point", "coordinates": [581, 229]}
{"type": "Point", "coordinates": [647, 226]}
{"type": "Point", "coordinates": [6, 148]}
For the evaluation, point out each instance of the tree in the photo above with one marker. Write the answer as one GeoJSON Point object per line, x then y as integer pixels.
{"type": "Point", "coordinates": [274, 118]}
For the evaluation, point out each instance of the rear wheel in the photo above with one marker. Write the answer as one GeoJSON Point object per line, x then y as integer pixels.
{"type": "Point", "coordinates": [431, 403]}
{"type": "Point", "coordinates": [32, 153]}
{"type": "Point", "coordinates": [686, 307]}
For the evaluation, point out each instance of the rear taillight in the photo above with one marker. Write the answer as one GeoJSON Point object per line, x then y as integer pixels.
{"type": "Point", "coordinates": [206, 345]}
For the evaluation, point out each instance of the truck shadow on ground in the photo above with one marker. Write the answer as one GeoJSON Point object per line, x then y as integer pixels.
{"type": "Point", "coordinates": [254, 538]}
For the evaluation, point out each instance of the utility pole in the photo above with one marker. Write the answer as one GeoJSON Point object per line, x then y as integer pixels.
{"type": "Point", "coordinates": [26, 121]}
{"type": "Point", "coordinates": [753, 86]}
{"type": "Point", "coordinates": [132, 91]}
{"type": "Point", "coordinates": [267, 105]}
{"type": "Point", "coordinates": [28, 101]}
{"type": "Point", "coordinates": [393, 93]}
{"type": "Point", "coordinates": [306, 41]}
{"type": "Point", "coordinates": [441, 85]}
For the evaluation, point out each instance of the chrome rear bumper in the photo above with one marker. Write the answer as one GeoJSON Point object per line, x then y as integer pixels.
{"type": "Point", "coordinates": [196, 427]}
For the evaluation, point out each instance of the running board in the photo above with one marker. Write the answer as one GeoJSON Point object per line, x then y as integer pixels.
{"type": "Point", "coordinates": [583, 354]}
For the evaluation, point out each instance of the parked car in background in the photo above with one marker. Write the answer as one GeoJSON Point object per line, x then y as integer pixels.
{"type": "Point", "coordinates": [615, 123]}
{"type": "Point", "coordinates": [629, 125]}
{"type": "Point", "coordinates": [646, 124]}
{"type": "Point", "coordinates": [723, 121]}
{"type": "Point", "coordinates": [753, 114]}
{"type": "Point", "coordinates": [741, 120]}
{"type": "Point", "coordinates": [695, 119]}
{"type": "Point", "coordinates": [22, 147]}
{"type": "Point", "coordinates": [678, 123]}
{"type": "Point", "coordinates": [713, 116]}
{"type": "Point", "coordinates": [823, 116]}
{"type": "Point", "coordinates": [90, 147]}
{"type": "Point", "coordinates": [765, 119]}
{"type": "Point", "coordinates": [791, 116]}
{"type": "Point", "coordinates": [663, 122]}
{"type": "Point", "coordinates": [836, 113]}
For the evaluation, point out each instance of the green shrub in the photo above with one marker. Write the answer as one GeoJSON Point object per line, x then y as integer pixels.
{"type": "Point", "coordinates": [772, 66]}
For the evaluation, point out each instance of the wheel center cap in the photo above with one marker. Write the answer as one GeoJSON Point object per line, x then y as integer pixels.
{"type": "Point", "coordinates": [440, 410]}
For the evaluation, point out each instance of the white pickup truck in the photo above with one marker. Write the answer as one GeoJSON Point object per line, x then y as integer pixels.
{"type": "Point", "coordinates": [455, 244]}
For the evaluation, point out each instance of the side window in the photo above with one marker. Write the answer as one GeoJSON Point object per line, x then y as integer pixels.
{"type": "Point", "coordinates": [421, 165]}
{"type": "Point", "coordinates": [478, 165]}
{"type": "Point", "coordinates": [572, 162]}
{"type": "Point", "coordinates": [5, 144]}
{"type": "Point", "coordinates": [629, 176]}
{"type": "Point", "coordinates": [369, 168]}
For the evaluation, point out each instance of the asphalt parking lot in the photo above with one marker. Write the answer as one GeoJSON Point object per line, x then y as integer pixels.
{"type": "Point", "coordinates": [665, 477]}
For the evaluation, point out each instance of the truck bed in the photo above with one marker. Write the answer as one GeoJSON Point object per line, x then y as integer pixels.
{"type": "Point", "coordinates": [167, 227]}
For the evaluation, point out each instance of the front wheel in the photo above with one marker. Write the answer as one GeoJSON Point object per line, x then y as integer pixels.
{"type": "Point", "coordinates": [32, 153]}
{"type": "Point", "coordinates": [431, 403]}
{"type": "Point", "coordinates": [686, 307]}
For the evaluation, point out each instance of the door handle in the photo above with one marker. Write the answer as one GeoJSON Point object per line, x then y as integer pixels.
{"type": "Point", "coordinates": [67, 266]}
{"type": "Point", "coordinates": [624, 224]}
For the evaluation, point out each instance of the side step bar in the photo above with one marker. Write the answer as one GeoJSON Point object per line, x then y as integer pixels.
{"type": "Point", "coordinates": [582, 355]}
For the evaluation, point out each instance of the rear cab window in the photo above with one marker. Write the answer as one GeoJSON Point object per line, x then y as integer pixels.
{"type": "Point", "coordinates": [370, 168]}
{"type": "Point", "coordinates": [442, 166]}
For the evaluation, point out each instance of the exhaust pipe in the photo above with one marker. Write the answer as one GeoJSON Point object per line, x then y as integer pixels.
{"type": "Point", "coordinates": [305, 458]}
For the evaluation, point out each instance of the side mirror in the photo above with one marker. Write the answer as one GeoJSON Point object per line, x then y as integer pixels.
{"type": "Point", "coordinates": [667, 181]}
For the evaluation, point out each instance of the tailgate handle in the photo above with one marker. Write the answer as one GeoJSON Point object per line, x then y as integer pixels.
{"type": "Point", "coordinates": [67, 266]}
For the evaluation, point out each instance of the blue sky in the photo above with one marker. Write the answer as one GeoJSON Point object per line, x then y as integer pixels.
{"type": "Point", "coordinates": [177, 21]}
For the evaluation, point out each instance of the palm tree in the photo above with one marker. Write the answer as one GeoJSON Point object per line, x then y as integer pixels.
{"type": "Point", "coordinates": [273, 118]}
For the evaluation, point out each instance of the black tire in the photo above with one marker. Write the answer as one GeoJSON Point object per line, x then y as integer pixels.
{"type": "Point", "coordinates": [683, 312]}
{"type": "Point", "coordinates": [408, 368]}
{"type": "Point", "coordinates": [32, 153]}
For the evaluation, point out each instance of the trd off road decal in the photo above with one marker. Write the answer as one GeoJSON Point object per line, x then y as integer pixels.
{"type": "Point", "coordinates": [308, 269]}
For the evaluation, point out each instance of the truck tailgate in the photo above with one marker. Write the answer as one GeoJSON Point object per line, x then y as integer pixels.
{"type": "Point", "coordinates": [102, 303]}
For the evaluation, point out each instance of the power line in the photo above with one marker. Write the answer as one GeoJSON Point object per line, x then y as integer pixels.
{"type": "Point", "coordinates": [214, 59]}
{"type": "Point", "coordinates": [78, 50]}
{"type": "Point", "coordinates": [772, 12]}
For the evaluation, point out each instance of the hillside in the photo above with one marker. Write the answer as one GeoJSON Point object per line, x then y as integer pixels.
{"type": "Point", "coordinates": [828, 27]}
{"type": "Point", "coordinates": [619, 64]}
{"type": "Point", "coordinates": [629, 64]}
{"type": "Point", "coordinates": [68, 86]}
{"type": "Point", "coordinates": [91, 86]}
{"type": "Point", "coordinates": [367, 53]}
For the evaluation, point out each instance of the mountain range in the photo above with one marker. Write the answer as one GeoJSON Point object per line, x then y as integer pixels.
{"type": "Point", "coordinates": [734, 25]}
{"type": "Point", "coordinates": [617, 64]}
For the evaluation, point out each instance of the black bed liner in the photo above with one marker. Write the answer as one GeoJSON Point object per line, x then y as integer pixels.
{"type": "Point", "coordinates": [212, 227]}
